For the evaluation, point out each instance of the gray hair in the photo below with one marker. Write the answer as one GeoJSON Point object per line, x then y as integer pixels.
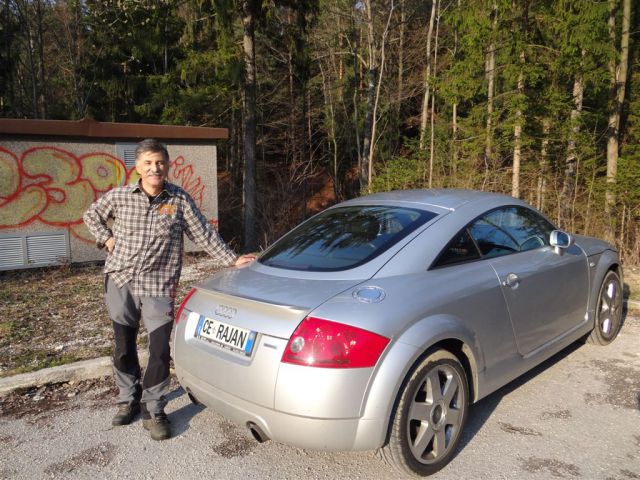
{"type": "Point", "coordinates": [154, 146]}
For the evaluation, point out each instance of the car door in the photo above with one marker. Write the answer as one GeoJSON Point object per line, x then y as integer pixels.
{"type": "Point", "coordinates": [546, 293]}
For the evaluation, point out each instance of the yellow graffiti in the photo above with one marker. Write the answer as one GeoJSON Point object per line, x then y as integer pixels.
{"type": "Point", "coordinates": [53, 186]}
{"type": "Point", "coordinates": [103, 171]}
{"type": "Point", "coordinates": [9, 175]}
{"type": "Point", "coordinates": [23, 207]}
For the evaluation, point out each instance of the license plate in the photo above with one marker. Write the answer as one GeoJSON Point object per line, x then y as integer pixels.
{"type": "Point", "coordinates": [226, 335]}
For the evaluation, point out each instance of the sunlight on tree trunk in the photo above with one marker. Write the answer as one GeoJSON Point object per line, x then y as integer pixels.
{"type": "Point", "coordinates": [618, 87]}
{"type": "Point", "coordinates": [249, 127]}
{"type": "Point", "coordinates": [424, 117]}
{"type": "Point", "coordinates": [571, 162]}
{"type": "Point", "coordinates": [491, 82]}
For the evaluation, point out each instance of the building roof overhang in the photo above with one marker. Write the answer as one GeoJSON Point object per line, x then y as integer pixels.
{"type": "Point", "coordinates": [93, 129]}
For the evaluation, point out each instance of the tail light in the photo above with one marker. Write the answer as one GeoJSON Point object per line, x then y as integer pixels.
{"type": "Point", "coordinates": [183, 304]}
{"type": "Point", "coordinates": [323, 343]}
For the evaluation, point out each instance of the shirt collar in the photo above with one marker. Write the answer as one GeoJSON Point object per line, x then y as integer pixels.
{"type": "Point", "coordinates": [167, 189]}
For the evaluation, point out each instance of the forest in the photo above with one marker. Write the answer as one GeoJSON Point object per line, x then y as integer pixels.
{"type": "Point", "coordinates": [330, 99]}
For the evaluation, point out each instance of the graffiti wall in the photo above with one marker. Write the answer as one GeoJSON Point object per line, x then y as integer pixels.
{"type": "Point", "coordinates": [49, 186]}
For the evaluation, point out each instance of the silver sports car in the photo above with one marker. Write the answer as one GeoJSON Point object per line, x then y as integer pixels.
{"type": "Point", "coordinates": [374, 324]}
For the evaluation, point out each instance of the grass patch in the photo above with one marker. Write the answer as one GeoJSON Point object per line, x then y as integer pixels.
{"type": "Point", "coordinates": [632, 282]}
{"type": "Point", "coordinates": [56, 315]}
{"type": "Point", "coordinates": [37, 359]}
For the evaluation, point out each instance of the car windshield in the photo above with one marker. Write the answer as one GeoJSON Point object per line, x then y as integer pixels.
{"type": "Point", "coordinates": [344, 237]}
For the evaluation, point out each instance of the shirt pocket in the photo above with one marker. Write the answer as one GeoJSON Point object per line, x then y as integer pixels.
{"type": "Point", "coordinates": [168, 226]}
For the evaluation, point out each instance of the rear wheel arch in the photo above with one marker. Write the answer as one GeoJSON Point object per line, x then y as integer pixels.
{"type": "Point", "coordinates": [450, 333]}
{"type": "Point", "coordinates": [466, 357]}
{"type": "Point", "coordinates": [456, 347]}
{"type": "Point", "coordinates": [451, 351]}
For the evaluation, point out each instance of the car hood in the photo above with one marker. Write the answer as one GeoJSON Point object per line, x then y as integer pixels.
{"type": "Point", "coordinates": [592, 246]}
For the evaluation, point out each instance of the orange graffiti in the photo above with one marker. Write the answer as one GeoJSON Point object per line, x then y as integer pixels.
{"type": "Point", "coordinates": [55, 187]}
{"type": "Point", "coordinates": [184, 175]}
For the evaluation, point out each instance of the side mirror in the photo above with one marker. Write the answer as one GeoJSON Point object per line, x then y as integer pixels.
{"type": "Point", "coordinates": [560, 241]}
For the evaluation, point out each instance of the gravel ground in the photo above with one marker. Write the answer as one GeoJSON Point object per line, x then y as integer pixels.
{"type": "Point", "coordinates": [576, 416]}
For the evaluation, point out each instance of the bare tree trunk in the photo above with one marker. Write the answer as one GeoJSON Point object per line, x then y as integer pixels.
{"type": "Point", "coordinates": [231, 158]}
{"type": "Point", "coordinates": [24, 17]}
{"type": "Point", "coordinates": [340, 59]}
{"type": "Point", "coordinates": [433, 101]}
{"type": "Point", "coordinates": [368, 130]}
{"type": "Point", "coordinates": [454, 119]}
{"type": "Point", "coordinates": [491, 81]}
{"type": "Point", "coordinates": [333, 145]}
{"type": "Point", "coordinates": [371, 84]}
{"type": "Point", "coordinates": [454, 142]}
{"type": "Point", "coordinates": [544, 164]}
{"type": "Point", "coordinates": [424, 117]}
{"type": "Point", "coordinates": [376, 70]}
{"type": "Point", "coordinates": [293, 142]}
{"type": "Point", "coordinates": [623, 231]}
{"type": "Point", "coordinates": [517, 139]}
{"type": "Point", "coordinates": [42, 97]}
{"type": "Point", "coordinates": [571, 162]}
{"type": "Point", "coordinates": [249, 8]}
{"type": "Point", "coordinates": [618, 88]}
{"type": "Point", "coordinates": [374, 125]}
{"type": "Point", "coordinates": [309, 129]}
{"type": "Point", "coordinates": [292, 113]}
{"type": "Point", "coordinates": [403, 19]}
{"type": "Point", "coordinates": [355, 99]}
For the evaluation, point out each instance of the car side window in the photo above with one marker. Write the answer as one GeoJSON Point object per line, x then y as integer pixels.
{"type": "Point", "coordinates": [510, 229]}
{"type": "Point", "coordinates": [529, 229]}
{"type": "Point", "coordinates": [491, 239]}
{"type": "Point", "coordinates": [460, 249]}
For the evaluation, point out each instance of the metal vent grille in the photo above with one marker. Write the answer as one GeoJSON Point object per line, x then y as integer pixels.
{"type": "Point", "coordinates": [11, 253]}
{"type": "Point", "coordinates": [127, 153]}
{"type": "Point", "coordinates": [47, 249]}
{"type": "Point", "coordinates": [34, 250]}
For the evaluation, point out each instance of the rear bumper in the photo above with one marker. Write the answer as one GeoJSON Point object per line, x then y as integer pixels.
{"type": "Point", "coordinates": [295, 430]}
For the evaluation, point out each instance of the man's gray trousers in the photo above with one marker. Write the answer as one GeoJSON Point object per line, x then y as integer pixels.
{"type": "Point", "coordinates": [125, 310]}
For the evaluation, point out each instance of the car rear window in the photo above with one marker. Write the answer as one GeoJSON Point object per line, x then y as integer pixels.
{"type": "Point", "coordinates": [344, 237]}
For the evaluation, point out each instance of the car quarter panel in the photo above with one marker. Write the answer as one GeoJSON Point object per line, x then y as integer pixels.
{"type": "Point", "coordinates": [461, 302]}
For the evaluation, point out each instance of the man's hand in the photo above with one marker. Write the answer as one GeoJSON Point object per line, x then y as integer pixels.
{"type": "Point", "coordinates": [245, 260]}
{"type": "Point", "coordinates": [110, 244]}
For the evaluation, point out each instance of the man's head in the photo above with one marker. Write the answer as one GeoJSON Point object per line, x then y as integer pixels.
{"type": "Point", "coordinates": [152, 164]}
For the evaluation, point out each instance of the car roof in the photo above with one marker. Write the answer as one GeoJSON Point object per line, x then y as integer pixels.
{"type": "Point", "coordinates": [445, 198]}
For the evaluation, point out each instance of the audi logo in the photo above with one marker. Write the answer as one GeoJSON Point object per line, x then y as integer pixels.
{"type": "Point", "coordinates": [225, 312]}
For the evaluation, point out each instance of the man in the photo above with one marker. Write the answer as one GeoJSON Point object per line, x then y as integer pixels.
{"type": "Point", "coordinates": [145, 246]}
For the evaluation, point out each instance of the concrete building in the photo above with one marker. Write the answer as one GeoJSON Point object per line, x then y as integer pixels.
{"type": "Point", "coordinates": [52, 170]}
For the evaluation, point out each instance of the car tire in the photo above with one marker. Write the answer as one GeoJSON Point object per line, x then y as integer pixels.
{"type": "Point", "coordinates": [608, 315]}
{"type": "Point", "coordinates": [430, 415]}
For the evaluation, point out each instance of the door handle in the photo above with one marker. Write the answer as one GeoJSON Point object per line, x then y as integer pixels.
{"type": "Point", "coordinates": [512, 281]}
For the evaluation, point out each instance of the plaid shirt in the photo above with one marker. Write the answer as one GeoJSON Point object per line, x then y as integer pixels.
{"type": "Point", "coordinates": [148, 237]}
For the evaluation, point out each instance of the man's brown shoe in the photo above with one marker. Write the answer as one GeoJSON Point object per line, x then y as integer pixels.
{"type": "Point", "coordinates": [125, 414]}
{"type": "Point", "coordinates": [158, 426]}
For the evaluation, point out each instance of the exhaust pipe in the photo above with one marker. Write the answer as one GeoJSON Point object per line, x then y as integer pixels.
{"type": "Point", "coordinates": [257, 432]}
